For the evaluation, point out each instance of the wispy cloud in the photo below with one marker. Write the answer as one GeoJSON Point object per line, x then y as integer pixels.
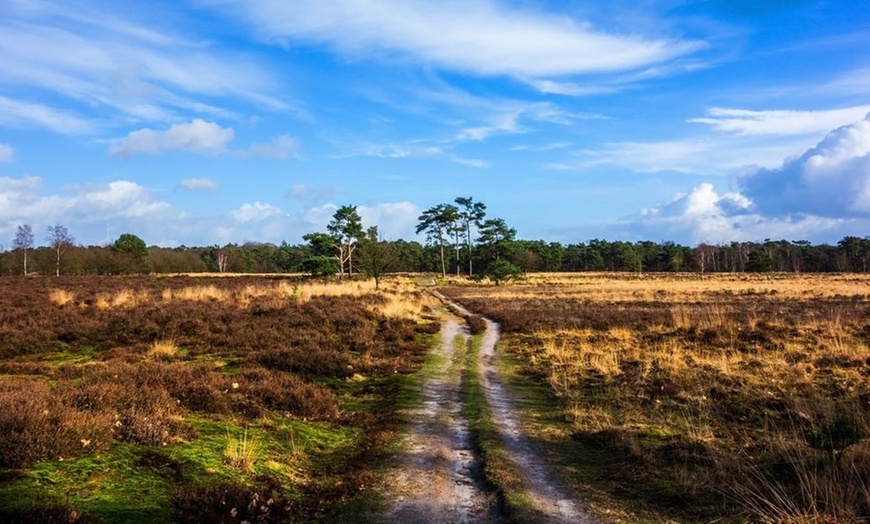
{"type": "Point", "coordinates": [114, 67]}
{"type": "Point", "coordinates": [780, 122]}
{"type": "Point", "coordinates": [23, 114]}
{"type": "Point", "coordinates": [196, 136]}
{"type": "Point", "coordinates": [484, 38]}
{"type": "Point", "coordinates": [198, 184]}
{"type": "Point", "coordinates": [7, 153]}
{"type": "Point", "coordinates": [280, 147]}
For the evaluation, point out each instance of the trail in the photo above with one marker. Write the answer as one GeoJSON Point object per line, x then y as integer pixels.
{"type": "Point", "coordinates": [553, 502]}
{"type": "Point", "coordinates": [437, 479]}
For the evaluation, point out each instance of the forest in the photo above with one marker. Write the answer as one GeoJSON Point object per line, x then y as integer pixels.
{"type": "Point", "coordinates": [460, 240]}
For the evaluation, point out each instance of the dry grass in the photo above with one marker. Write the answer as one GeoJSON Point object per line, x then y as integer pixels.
{"type": "Point", "coordinates": [61, 297]}
{"type": "Point", "coordinates": [752, 387]}
{"type": "Point", "coordinates": [163, 349]}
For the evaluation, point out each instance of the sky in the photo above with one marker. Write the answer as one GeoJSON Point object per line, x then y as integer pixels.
{"type": "Point", "coordinates": [201, 122]}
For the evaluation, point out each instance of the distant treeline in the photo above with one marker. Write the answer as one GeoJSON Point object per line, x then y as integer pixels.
{"type": "Point", "coordinates": [851, 254]}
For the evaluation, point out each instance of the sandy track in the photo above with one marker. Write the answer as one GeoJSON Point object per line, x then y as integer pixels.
{"type": "Point", "coordinates": [437, 478]}
{"type": "Point", "coordinates": [553, 502]}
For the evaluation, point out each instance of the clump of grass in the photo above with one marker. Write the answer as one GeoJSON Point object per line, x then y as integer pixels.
{"type": "Point", "coordinates": [243, 452]}
{"type": "Point", "coordinates": [61, 297]}
{"type": "Point", "coordinates": [165, 349]}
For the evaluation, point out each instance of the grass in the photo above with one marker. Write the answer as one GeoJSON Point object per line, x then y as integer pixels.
{"type": "Point", "coordinates": [689, 398]}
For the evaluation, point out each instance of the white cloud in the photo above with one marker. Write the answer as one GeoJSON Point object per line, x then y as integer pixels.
{"type": "Point", "coordinates": [255, 212]}
{"type": "Point", "coordinates": [281, 147]}
{"type": "Point", "coordinates": [7, 153]}
{"type": "Point", "coordinates": [487, 38]}
{"type": "Point", "coordinates": [470, 162]}
{"type": "Point", "coordinates": [306, 192]}
{"type": "Point", "coordinates": [19, 113]}
{"type": "Point", "coordinates": [110, 64]}
{"type": "Point", "coordinates": [703, 215]}
{"type": "Point", "coordinates": [831, 179]}
{"type": "Point", "coordinates": [198, 184]}
{"type": "Point", "coordinates": [394, 220]}
{"type": "Point", "coordinates": [772, 122]}
{"type": "Point", "coordinates": [821, 195]}
{"type": "Point", "coordinates": [96, 214]}
{"type": "Point", "coordinates": [197, 135]}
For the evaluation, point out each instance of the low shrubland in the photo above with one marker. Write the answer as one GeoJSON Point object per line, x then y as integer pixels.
{"type": "Point", "coordinates": [699, 399]}
{"type": "Point", "coordinates": [239, 399]}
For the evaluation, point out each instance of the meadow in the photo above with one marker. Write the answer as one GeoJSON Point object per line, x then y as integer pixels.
{"type": "Point", "coordinates": [195, 399]}
{"type": "Point", "coordinates": [695, 398]}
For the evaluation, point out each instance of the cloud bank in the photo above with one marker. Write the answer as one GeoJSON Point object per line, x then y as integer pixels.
{"type": "Point", "coordinates": [821, 195]}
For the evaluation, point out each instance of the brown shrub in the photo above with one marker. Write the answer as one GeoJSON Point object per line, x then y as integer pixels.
{"type": "Point", "coordinates": [35, 426]}
{"type": "Point", "coordinates": [229, 503]}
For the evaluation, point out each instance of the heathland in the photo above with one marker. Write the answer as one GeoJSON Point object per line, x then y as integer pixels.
{"type": "Point", "coordinates": [156, 399]}
{"type": "Point", "coordinates": [656, 397]}
{"type": "Point", "coordinates": [696, 398]}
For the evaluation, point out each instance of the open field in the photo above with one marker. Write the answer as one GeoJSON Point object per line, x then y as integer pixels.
{"type": "Point", "coordinates": [688, 398]}
{"type": "Point", "coordinates": [149, 399]}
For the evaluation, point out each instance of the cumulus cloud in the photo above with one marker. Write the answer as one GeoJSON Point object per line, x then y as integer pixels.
{"type": "Point", "coordinates": [821, 195]}
{"type": "Point", "coordinates": [831, 179]}
{"type": "Point", "coordinates": [198, 184]}
{"type": "Point", "coordinates": [746, 122]}
{"type": "Point", "coordinates": [281, 147]}
{"type": "Point", "coordinates": [197, 136]}
{"type": "Point", "coordinates": [7, 153]}
{"type": "Point", "coordinates": [487, 38]}
{"type": "Point", "coordinates": [255, 212]}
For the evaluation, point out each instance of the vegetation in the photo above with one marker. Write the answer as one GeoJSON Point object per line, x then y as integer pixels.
{"type": "Point", "coordinates": [146, 399]}
{"type": "Point", "coordinates": [689, 398]}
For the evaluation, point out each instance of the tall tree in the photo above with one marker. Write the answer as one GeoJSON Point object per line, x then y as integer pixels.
{"type": "Point", "coordinates": [495, 234]}
{"type": "Point", "coordinates": [60, 240]}
{"type": "Point", "coordinates": [133, 253]}
{"type": "Point", "coordinates": [24, 241]}
{"type": "Point", "coordinates": [436, 222]}
{"type": "Point", "coordinates": [470, 215]}
{"type": "Point", "coordinates": [376, 255]}
{"type": "Point", "coordinates": [346, 227]}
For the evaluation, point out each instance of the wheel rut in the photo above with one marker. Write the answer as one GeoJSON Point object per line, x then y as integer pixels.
{"type": "Point", "coordinates": [437, 477]}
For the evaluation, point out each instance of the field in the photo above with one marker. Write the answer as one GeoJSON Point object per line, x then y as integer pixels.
{"type": "Point", "coordinates": [154, 399]}
{"type": "Point", "coordinates": [689, 398]}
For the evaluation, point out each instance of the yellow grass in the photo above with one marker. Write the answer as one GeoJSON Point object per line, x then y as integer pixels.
{"type": "Point", "coordinates": [61, 297]}
{"type": "Point", "coordinates": [163, 349]}
{"type": "Point", "coordinates": [680, 287]}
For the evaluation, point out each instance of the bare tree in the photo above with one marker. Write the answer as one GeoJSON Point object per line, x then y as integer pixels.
{"type": "Point", "coordinates": [59, 240]}
{"type": "Point", "coordinates": [24, 241]}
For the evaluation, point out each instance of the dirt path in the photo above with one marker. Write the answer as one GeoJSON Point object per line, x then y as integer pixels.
{"type": "Point", "coordinates": [553, 502]}
{"type": "Point", "coordinates": [437, 478]}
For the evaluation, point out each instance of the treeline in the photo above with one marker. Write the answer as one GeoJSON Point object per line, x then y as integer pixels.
{"type": "Point", "coordinates": [851, 254]}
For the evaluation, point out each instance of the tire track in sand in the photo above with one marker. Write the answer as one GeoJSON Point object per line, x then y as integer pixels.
{"type": "Point", "coordinates": [552, 501]}
{"type": "Point", "coordinates": [437, 479]}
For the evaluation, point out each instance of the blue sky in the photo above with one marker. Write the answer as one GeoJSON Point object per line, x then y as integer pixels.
{"type": "Point", "coordinates": [211, 121]}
